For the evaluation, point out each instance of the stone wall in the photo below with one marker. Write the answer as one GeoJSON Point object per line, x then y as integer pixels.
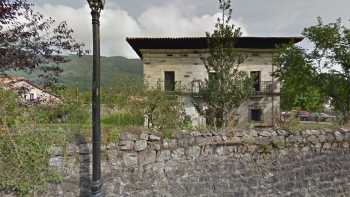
{"type": "Point", "coordinates": [233, 163]}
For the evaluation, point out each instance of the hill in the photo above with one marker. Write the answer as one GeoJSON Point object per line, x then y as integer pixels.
{"type": "Point", "coordinates": [115, 71]}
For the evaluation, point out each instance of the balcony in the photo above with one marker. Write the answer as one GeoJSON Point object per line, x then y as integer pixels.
{"type": "Point", "coordinates": [180, 86]}
{"type": "Point", "coordinates": [196, 86]}
{"type": "Point", "coordinates": [265, 88]}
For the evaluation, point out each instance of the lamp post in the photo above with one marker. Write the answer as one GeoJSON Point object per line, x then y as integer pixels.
{"type": "Point", "coordinates": [96, 185]}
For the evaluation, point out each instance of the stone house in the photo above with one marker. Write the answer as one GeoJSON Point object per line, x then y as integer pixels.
{"type": "Point", "coordinates": [28, 92]}
{"type": "Point", "coordinates": [175, 65]}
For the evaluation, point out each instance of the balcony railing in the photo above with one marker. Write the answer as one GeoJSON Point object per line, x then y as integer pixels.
{"type": "Point", "coordinates": [265, 88]}
{"type": "Point", "coordinates": [196, 86]}
{"type": "Point", "coordinates": [180, 86]}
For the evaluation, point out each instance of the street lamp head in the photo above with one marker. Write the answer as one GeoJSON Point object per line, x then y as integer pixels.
{"type": "Point", "coordinates": [96, 5]}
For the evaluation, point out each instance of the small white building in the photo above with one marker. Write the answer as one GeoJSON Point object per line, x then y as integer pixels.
{"type": "Point", "coordinates": [28, 92]}
{"type": "Point", "coordinates": [175, 65]}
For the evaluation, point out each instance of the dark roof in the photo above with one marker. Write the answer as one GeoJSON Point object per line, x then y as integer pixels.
{"type": "Point", "coordinates": [201, 43]}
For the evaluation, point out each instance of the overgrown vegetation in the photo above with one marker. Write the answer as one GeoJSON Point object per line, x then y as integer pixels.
{"type": "Point", "coordinates": [162, 110]}
{"type": "Point", "coordinates": [26, 140]}
{"type": "Point", "coordinates": [24, 160]}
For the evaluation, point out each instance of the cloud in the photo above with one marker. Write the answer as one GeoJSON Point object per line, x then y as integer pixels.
{"type": "Point", "coordinates": [117, 24]}
{"type": "Point", "coordinates": [172, 21]}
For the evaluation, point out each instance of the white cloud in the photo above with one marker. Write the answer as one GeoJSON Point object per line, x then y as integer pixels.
{"type": "Point", "coordinates": [172, 21]}
{"type": "Point", "coordinates": [117, 24]}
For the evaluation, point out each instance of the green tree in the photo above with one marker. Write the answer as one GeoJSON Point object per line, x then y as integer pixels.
{"type": "Point", "coordinates": [227, 86]}
{"type": "Point", "coordinates": [294, 68]}
{"type": "Point", "coordinates": [325, 68]}
{"type": "Point", "coordinates": [332, 49]}
{"type": "Point", "coordinates": [29, 41]}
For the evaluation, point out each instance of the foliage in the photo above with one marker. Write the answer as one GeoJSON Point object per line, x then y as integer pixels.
{"type": "Point", "coordinates": [24, 160]}
{"type": "Point", "coordinates": [317, 68]}
{"type": "Point", "coordinates": [294, 67]}
{"type": "Point", "coordinates": [332, 48]}
{"type": "Point", "coordinates": [310, 100]}
{"type": "Point", "coordinates": [9, 110]}
{"type": "Point", "coordinates": [227, 86]}
{"type": "Point", "coordinates": [162, 110]}
{"type": "Point", "coordinates": [29, 41]}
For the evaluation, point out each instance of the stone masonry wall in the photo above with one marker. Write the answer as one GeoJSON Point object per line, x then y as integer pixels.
{"type": "Point", "coordinates": [238, 163]}
{"type": "Point", "coordinates": [188, 67]}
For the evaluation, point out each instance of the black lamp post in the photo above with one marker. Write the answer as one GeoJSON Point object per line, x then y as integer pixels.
{"type": "Point", "coordinates": [96, 186]}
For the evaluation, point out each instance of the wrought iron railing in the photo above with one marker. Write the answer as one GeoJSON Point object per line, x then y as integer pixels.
{"type": "Point", "coordinates": [265, 88]}
{"type": "Point", "coordinates": [196, 86]}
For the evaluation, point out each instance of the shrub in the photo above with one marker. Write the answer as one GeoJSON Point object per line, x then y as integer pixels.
{"type": "Point", "coordinates": [10, 111]}
{"type": "Point", "coordinates": [24, 160]}
{"type": "Point", "coordinates": [163, 110]}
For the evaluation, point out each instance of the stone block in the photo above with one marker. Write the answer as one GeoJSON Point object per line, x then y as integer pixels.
{"type": "Point", "coordinates": [147, 157]}
{"type": "Point", "coordinates": [295, 139]}
{"type": "Point", "coordinates": [154, 146]}
{"type": "Point", "coordinates": [126, 136]}
{"type": "Point", "coordinates": [235, 140]}
{"type": "Point", "coordinates": [130, 159]}
{"type": "Point", "coordinates": [140, 145]}
{"type": "Point", "coordinates": [169, 143]}
{"type": "Point", "coordinates": [178, 153]}
{"type": "Point", "coordinates": [347, 136]}
{"type": "Point", "coordinates": [265, 133]}
{"type": "Point", "coordinates": [126, 145]}
{"type": "Point", "coordinates": [282, 132]}
{"type": "Point", "coordinates": [263, 140]}
{"type": "Point", "coordinates": [219, 150]}
{"type": "Point", "coordinates": [153, 137]}
{"type": "Point", "coordinates": [193, 152]}
{"type": "Point", "coordinates": [56, 162]}
{"type": "Point", "coordinates": [164, 155]}
{"type": "Point", "coordinates": [338, 136]}
{"type": "Point", "coordinates": [313, 139]}
{"type": "Point", "coordinates": [144, 136]}
{"type": "Point", "coordinates": [201, 140]}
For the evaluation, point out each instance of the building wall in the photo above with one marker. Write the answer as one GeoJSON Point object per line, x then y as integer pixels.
{"type": "Point", "coordinates": [188, 66]}
{"type": "Point", "coordinates": [33, 93]}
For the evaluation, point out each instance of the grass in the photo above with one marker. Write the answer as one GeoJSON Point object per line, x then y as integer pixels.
{"type": "Point", "coordinates": [123, 119]}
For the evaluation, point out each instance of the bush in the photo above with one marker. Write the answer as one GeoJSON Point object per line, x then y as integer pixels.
{"type": "Point", "coordinates": [10, 111]}
{"type": "Point", "coordinates": [163, 110]}
{"type": "Point", "coordinates": [24, 160]}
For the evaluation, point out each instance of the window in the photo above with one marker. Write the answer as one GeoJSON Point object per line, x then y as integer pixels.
{"type": "Point", "coordinates": [31, 96]}
{"type": "Point", "coordinates": [196, 85]}
{"type": "Point", "coordinates": [256, 115]}
{"type": "Point", "coordinates": [212, 76]}
{"type": "Point", "coordinates": [169, 81]}
{"type": "Point", "coordinates": [256, 77]}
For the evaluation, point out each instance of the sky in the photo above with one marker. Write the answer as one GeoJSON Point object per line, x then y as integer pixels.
{"type": "Point", "coordinates": [181, 18]}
